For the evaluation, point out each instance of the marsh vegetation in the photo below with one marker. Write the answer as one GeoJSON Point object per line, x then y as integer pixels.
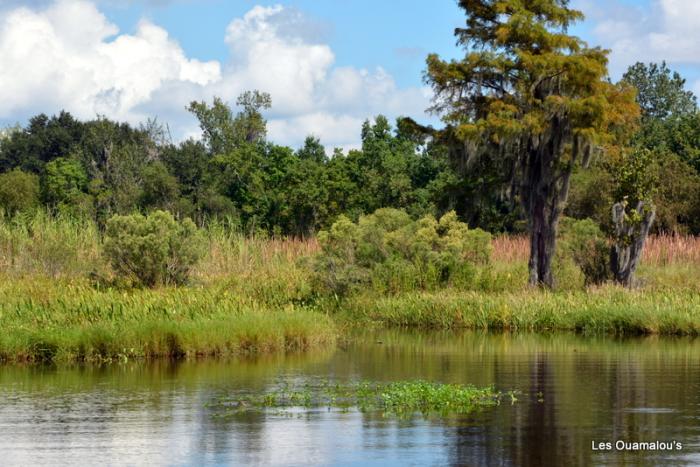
{"type": "Point", "coordinates": [62, 301]}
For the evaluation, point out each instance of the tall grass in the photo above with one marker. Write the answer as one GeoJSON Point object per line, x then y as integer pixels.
{"type": "Point", "coordinates": [606, 310]}
{"type": "Point", "coordinates": [54, 246]}
{"type": "Point", "coordinates": [255, 294]}
{"type": "Point", "coordinates": [45, 320]}
{"type": "Point", "coordinates": [659, 250]}
{"type": "Point", "coordinates": [56, 302]}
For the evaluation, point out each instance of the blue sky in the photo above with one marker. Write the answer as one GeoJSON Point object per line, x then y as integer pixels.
{"type": "Point", "coordinates": [329, 64]}
{"type": "Point", "coordinates": [362, 33]}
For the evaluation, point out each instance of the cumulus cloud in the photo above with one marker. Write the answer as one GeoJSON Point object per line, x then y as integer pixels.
{"type": "Point", "coordinates": [67, 54]}
{"type": "Point", "coordinates": [70, 56]}
{"type": "Point", "coordinates": [271, 50]}
{"type": "Point", "coordinates": [662, 30]}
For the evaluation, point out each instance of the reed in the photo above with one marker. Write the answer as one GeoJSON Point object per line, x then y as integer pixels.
{"type": "Point", "coordinates": [606, 310]}
{"type": "Point", "coordinates": [45, 320]}
{"type": "Point", "coordinates": [255, 294]}
{"type": "Point", "coordinates": [659, 250]}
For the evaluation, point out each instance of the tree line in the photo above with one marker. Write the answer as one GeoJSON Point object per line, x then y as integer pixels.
{"type": "Point", "coordinates": [534, 131]}
{"type": "Point", "coordinates": [101, 167]}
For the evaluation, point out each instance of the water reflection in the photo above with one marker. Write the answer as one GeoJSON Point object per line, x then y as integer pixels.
{"type": "Point", "coordinates": [575, 391]}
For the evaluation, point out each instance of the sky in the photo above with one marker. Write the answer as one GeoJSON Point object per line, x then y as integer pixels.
{"type": "Point", "coordinates": [328, 64]}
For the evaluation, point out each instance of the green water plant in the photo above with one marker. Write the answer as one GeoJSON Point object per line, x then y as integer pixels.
{"type": "Point", "coordinates": [401, 398]}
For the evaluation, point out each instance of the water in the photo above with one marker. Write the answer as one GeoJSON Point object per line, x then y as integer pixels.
{"type": "Point", "coordinates": [575, 391]}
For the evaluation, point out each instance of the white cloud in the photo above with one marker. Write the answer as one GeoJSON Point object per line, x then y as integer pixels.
{"type": "Point", "coordinates": [271, 51]}
{"type": "Point", "coordinates": [664, 30]}
{"type": "Point", "coordinates": [342, 130]}
{"type": "Point", "coordinates": [68, 55]}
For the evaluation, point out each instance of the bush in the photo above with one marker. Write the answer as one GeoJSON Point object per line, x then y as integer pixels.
{"type": "Point", "coordinates": [19, 191]}
{"type": "Point", "coordinates": [393, 253]}
{"type": "Point", "coordinates": [152, 250]}
{"type": "Point", "coordinates": [583, 244]}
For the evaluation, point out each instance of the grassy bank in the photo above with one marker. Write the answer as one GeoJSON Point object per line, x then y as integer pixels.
{"type": "Point", "coordinates": [608, 310]}
{"type": "Point", "coordinates": [256, 295]}
{"type": "Point", "coordinates": [47, 321]}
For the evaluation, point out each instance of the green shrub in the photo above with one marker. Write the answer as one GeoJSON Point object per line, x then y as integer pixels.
{"type": "Point", "coordinates": [391, 253]}
{"type": "Point", "coordinates": [19, 191]}
{"type": "Point", "coordinates": [584, 245]}
{"type": "Point", "coordinates": [152, 250]}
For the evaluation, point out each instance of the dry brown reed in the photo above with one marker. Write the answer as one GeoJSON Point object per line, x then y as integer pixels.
{"type": "Point", "coordinates": [664, 249]}
{"type": "Point", "coordinates": [660, 250]}
{"type": "Point", "coordinates": [510, 248]}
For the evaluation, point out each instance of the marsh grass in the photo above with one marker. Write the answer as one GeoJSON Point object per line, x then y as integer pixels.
{"type": "Point", "coordinates": [44, 321]}
{"type": "Point", "coordinates": [39, 244]}
{"type": "Point", "coordinates": [401, 399]}
{"type": "Point", "coordinates": [606, 310]}
{"type": "Point", "coordinates": [659, 250]}
{"type": "Point", "coordinates": [58, 301]}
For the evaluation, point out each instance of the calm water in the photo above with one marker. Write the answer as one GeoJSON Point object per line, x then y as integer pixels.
{"type": "Point", "coordinates": [574, 391]}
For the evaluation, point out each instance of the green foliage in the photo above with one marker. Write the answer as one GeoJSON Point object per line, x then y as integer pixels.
{"type": "Point", "coordinates": [634, 179]}
{"type": "Point", "coordinates": [591, 195]}
{"type": "Point", "coordinates": [678, 201]}
{"type": "Point", "coordinates": [160, 188]}
{"type": "Point", "coordinates": [223, 131]}
{"type": "Point", "coordinates": [152, 250]}
{"type": "Point", "coordinates": [400, 398]}
{"type": "Point", "coordinates": [19, 191]}
{"type": "Point", "coordinates": [99, 168]}
{"type": "Point", "coordinates": [584, 244]}
{"type": "Point", "coordinates": [533, 99]}
{"type": "Point", "coordinates": [42, 140]}
{"type": "Point", "coordinates": [65, 186]}
{"type": "Point", "coordinates": [73, 322]}
{"type": "Point", "coordinates": [394, 253]}
{"type": "Point", "coordinates": [661, 94]}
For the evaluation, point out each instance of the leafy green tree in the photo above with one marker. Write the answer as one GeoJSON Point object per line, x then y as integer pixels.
{"type": "Point", "coordinates": [65, 181]}
{"type": "Point", "coordinates": [670, 118]}
{"type": "Point", "coordinates": [43, 140]}
{"type": "Point", "coordinates": [241, 179]}
{"type": "Point", "coordinates": [661, 94]}
{"type": "Point", "coordinates": [115, 155]}
{"type": "Point", "coordinates": [312, 150]}
{"type": "Point", "coordinates": [530, 94]}
{"type": "Point", "coordinates": [307, 190]}
{"type": "Point", "coordinates": [216, 123]}
{"type": "Point", "coordinates": [677, 203]}
{"type": "Point", "coordinates": [160, 188]}
{"type": "Point", "coordinates": [390, 170]}
{"type": "Point", "coordinates": [249, 124]}
{"type": "Point", "coordinates": [634, 212]}
{"type": "Point", "coordinates": [591, 194]}
{"type": "Point", "coordinates": [19, 191]}
{"type": "Point", "coordinates": [223, 131]}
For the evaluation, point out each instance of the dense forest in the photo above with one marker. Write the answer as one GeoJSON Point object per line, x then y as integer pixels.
{"type": "Point", "coordinates": [101, 167]}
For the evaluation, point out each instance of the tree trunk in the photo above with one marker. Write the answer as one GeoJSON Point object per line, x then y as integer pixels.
{"type": "Point", "coordinates": [629, 241]}
{"type": "Point", "coordinates": [545, 191]}
{"type": "Point", "coordinates": [543, 235]}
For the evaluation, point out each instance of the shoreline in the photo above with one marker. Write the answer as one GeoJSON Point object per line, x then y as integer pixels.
{"type": "Point", "coordinates": [63, 323]}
